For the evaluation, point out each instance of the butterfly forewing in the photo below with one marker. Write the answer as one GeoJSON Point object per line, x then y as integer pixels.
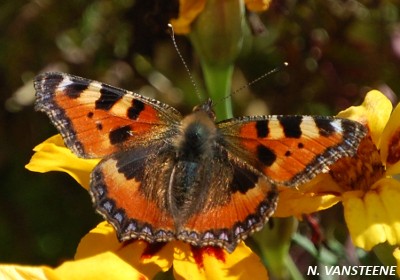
{"type": "Point", "coordinates": [96, 119]}
{"type": "Point", "coordinates": [291, 150]}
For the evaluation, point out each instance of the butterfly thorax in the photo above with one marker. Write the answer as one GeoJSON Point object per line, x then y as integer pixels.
{"type": "Point", "coordinates": [197, 135]}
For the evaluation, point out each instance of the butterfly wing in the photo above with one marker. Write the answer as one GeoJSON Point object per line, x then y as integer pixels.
{"type": "Point", "coordinates": [291, 150]}
{"type": "Point", "coordinates": [96, 119]}
{"type": "Point", "coordinates": [129, 132]}
{"type": "Point", "coordinates": [131, 195]}
{"type": "Point", "coordinates": [237, 200]}
{"type": "Point", "coordinates": [255, 155]}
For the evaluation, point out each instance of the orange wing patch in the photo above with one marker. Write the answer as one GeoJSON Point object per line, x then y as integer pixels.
{"type": "Point", "coordinates": [122, 202]}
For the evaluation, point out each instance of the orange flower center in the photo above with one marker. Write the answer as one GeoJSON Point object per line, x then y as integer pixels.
{"type": "Point", "coordinates": [362, 170]}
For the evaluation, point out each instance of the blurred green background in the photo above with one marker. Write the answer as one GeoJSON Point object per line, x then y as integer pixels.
{"type": "Point", "coordinates": [337, 51]}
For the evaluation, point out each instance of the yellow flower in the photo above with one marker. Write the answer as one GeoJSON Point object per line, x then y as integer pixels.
{"type": "Point", "coordinates": [190, 9]}
{"type": "Point", "coordinates": [52, 155]}
{"type": "Point", "coordinates": [101, 256]}
{"type": "Point", "coordinates": [364, 183]}
{"type": "Point", "coordinates": [187, 261]}
{"type": "Point", "coordinates": [143, 258]}
{"type": "Point", "coordinates": [100, 266]}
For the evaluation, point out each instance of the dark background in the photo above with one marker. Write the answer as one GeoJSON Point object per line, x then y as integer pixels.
{"type": "Point", "coordinates": [337, 51]}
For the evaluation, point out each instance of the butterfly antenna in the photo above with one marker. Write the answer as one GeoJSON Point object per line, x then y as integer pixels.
{"type": "Point", "coordinates": [276, 69]}
{"type": "Point", "coordinates": [183, 61]}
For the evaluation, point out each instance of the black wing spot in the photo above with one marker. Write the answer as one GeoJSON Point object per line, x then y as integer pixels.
{"type": "Point", "coordinates": [99, 126]}
{"type": "Point", "coordinates": [300, 145]}
{"type": "Point", "coordinates": [262, 128]}
{"type": "Point", "coordinates": [75, 89]}
{"type": "Point", "coordinates": [108, 97]}
{"type": "Point", "coordinates": [135, 110]}
{"type": "Point", "coordinates": [265, 155]}
{"type": "Point", "coordinates": [243, 180]}
{"type": "Point", "coordinates": [288, 153]}
{"type": "Point", "coordinates": [291, 126]}
{"type": "Point", "coordinates": [90, 115]}
{"type": "Point", "coordinates": [120, 135]}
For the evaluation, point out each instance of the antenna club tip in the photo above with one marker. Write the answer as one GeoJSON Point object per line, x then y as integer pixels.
{"type": "Point", "coordinates": [286, 63]}
{"type": "Point", "coordinates": [171, 27]}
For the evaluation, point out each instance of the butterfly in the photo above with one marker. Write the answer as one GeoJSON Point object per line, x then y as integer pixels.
{"type": "Point", "coordinates": [164, 176]}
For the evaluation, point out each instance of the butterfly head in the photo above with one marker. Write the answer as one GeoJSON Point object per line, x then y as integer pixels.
{"type": "Point", "coordinates": [206, 107]}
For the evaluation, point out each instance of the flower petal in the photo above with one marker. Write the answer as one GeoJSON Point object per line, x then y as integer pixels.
{"type": "Point", "coordinates": [52, 155]}
{"type": "Point", "coordinates": [102, 266]}
{"type": "Point", "coordinates": [373, 217]}
{"type": "Point", "coordinates": [188, 11]}
{"type": "Point", "coordinates": [215, 263]}
{"type": "Point", "coordinates": [390, 142]}
{"type": "Point", "coordinates": [320, 193]}
{"type": "Point", "coordinates": [373, 112]}
{"type": "Point", "coordinates": [21, 272]}
{"type": "Point", "coordinates": [295, 203]}
{"type": "Point", "coordinates": [137, 253]}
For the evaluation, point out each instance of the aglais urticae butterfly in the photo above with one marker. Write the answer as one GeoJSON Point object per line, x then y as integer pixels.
{"type": "Point", "coordinates": [164, 176]}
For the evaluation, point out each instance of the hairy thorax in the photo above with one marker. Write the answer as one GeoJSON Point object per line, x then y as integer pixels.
{"type": "Point", "coordinates": [196, 139]}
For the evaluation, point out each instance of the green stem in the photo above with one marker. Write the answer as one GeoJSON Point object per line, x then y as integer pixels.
{"type": "Point", "coordinates": [218, 80]}
{"type": "Point", "coordinates": [293, 269]}
{"type": "Point", "coordinates": [275, 244]}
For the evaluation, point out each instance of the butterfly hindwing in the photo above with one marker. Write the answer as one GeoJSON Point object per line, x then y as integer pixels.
{"type": "Point", "coordinates": [128, 192]}
{"type": "Point", "coordinates": [96, 119]}
{"type": "Point", "coordinates": [242, 202]}
{"type": "Point", "coordinates": [290, 150]}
